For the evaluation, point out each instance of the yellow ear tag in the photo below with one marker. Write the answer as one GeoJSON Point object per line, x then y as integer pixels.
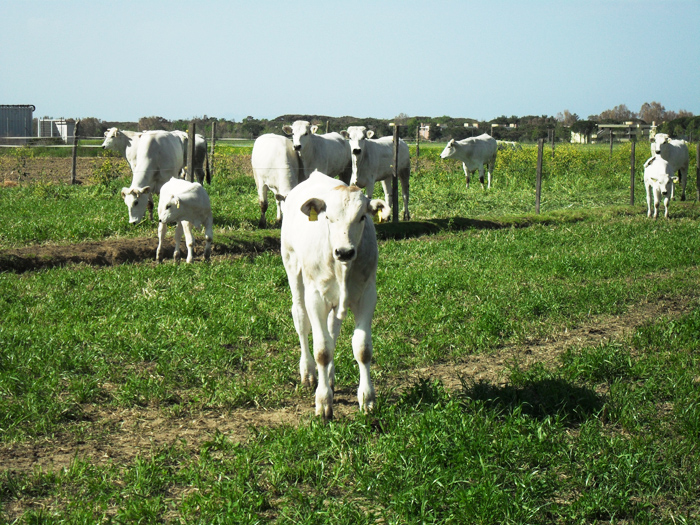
{"type": "Point", "coordinates": [313, 215]}
{"type": "Point", "coordinates": [178, 205]}
{"type": "Point", "coordinates": [377, 217]}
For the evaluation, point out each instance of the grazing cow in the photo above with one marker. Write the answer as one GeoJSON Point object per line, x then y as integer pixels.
{"type": "Point", "coordinates": [329, 250]}
{"type": "Point", "coordinates": [154, 157]}
{"type": "Point", "coordinates": [373, 161]}
{"type": "Point", "coordinates": [658, 182]}
{"type": "Point", "coordinates": [329, 153]}
{"type": "Point", "coordinates": [474, 152]}
{"type": "Point", "coordinates": [675, 152]}
{"type": "Point", "coordinates": [187, 205]}
{"type": "Point", "coordinates": [276, 167]}
{"type": "Point", "coordinates": [201, 155]}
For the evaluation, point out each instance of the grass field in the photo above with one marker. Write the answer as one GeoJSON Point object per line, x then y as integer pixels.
{"type": "Point", "coordinates": [498, 403]}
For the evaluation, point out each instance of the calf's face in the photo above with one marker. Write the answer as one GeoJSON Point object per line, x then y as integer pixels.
{"type": "Point", "coordinates": [657, 143]}
{"type": "Point", "coordinates": [136, 199]}
{"type": "Point", "coordinates": [110, 136]}
{"type": "Point", "coordinates": [356, 136]}
{"type": "Point", "coordinates": [300, 131]}
{"type": "Point", "coordinates": [449, 150]}
{"type": "Point", "coordinates": [346, 211]}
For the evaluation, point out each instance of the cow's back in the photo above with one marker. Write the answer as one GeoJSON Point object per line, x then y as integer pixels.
{"type": "Point", "coordinates": [477, 151]}
{"type": "Point", "coordinates": [330, 154]}
{"type": "Point", "coordinates": [275, 163]}
{"type": "Point", "coordinates": [159, 158]}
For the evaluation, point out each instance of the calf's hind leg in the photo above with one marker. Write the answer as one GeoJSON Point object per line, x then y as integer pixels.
{"type": "Point", "coordinates": [362, 346]}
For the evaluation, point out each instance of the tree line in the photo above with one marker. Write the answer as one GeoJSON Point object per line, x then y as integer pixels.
{"type": "Point", "coordinates": [681, 124]}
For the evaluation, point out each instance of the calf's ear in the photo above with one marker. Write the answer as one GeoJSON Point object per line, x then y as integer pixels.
{"type": "Point", "coordinates": [312, 208]}
{"type": "Point", "coordinates": [378, 206]}
{"type": "Point", "coordinates": [370, 134]}
{"type": "Point", "coordinates": [124, 192]}
{"type": "Point", "coordinates": [147, 189]}
{"type": "Point", "coordinates": [314, 129]}
{"type": "Point", "coordinates": [345, 133]}
{"type": "Point", "coordinates": [287, 129]}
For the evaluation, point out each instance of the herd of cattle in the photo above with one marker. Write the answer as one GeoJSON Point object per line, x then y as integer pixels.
{"type": "Point", "coordinates": [328, 239]}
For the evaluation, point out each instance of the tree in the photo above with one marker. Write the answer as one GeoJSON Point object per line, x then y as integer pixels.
{"type": "Point", "coordinates": [567, 118]}
{"type": "Point", "coordinates": [652, 112]}
{"type": "Point", "coordinates": [153, 123]}
{"type": "Point", "coordinates": [618, 114]}
{"type": "Point", "coordinates": [92, 127]}
{"type": "Point", "coordinates": [252, 126]}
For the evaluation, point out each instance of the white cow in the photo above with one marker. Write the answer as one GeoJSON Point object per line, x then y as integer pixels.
{"type": "Point", "coordinates": [277, 168]}
{"type": "Point", "coordinates": [675, 152]}
{"type": "Point", "coordinates": [187, 205]}
{"type": "Point", "coordinates": [201, 155]}
{"type": "Point", "coordinates": [373, 161]}
{"type": "Point", "coordinates": [328, 153]}
{"type": "Point", "coordinates": [474, 152]}
{"type": "Point", "coordinates": [658, 182]}
{"type": "Point", "coordinates": [329, 250]}
{"type": "Point", "coordinates": [154, 157]}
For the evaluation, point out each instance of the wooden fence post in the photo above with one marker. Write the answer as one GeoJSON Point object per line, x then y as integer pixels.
{"type": "Point", "coordinates": [73, 169]}
{"type": "Point", "coordinates": [553, 143]}
{"type": "Point", "coordinates": [395, 178]}
{"type": "Point", "coordinates": [190, 152]}
{"type": "Point", "coordinates": [418, 141]}
{"type": "Point", "coordinates": [538, 184]}
{"type": "Point", "coordinates": [632, 161]}
{"type": "Point", "coordinates": [611, 142]}
{"type": "Point", "coordinates": [211, 152]}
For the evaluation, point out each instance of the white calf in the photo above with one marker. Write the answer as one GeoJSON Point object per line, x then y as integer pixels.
{"type": "Point", "coordinates": [658, 182]}
{"type": "Point", "coordinates": [329, 250]}
{"type": "Point", "coordinates": [186, 204]}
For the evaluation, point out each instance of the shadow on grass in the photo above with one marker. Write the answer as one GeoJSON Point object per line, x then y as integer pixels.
{"type": "Point", "coordinates": [539, 399]}
{"type": "Point", "coordinates": [110, 252]}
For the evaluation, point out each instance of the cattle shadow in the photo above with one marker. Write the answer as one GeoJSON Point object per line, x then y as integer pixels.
{"type": "Point", "coordinates": [411, 229]}
{"type": "Point", "coordinates": [540, 399]}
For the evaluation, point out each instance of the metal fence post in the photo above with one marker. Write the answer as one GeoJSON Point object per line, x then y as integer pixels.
{"type": "Point", "coordinates": [632, 162]}
{"type": "Point", "coordinates": [74, 160]}
{"type": "Point", "coordinates": [395, 177]}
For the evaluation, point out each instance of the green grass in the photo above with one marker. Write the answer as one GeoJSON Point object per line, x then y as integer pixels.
{"type": "Point", "coordinates": [607, 433]}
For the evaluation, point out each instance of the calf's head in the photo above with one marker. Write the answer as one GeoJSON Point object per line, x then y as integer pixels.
{"type": "Point", "coordinates": [356, 136]}
{"type": "Point", "coordinates": [110, 137]}
{"type": "Point", "coordinates": [346, 211]}
{"type": "Point", "coordinates": [657, 143]}
{"type": "Point", "coordinates": [169, 209]}
{"type": "Point", "coordinates": [449, 150]}
{"type": "Point", "coordinates": [136, 199]}
{"type": "Point", "coordinates": [300, 131]}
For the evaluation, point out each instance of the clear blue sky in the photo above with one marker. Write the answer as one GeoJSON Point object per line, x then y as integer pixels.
{"type": "Point", "coordinates": [122, 60]}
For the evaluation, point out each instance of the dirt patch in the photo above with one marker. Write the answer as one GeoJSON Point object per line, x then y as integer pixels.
{"type": "Point", "coordinates": [118, 435]}
{"type": "Point", "coordinates": [115, 251]}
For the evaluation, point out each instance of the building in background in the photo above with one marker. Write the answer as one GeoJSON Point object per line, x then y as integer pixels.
{"type": "Point", "coordinates": [16, 121]}
{"type": "Point", "coordinates": [59, 128]}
